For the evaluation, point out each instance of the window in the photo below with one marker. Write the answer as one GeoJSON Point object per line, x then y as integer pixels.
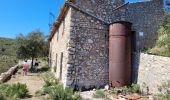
{"type": "Point", "coordinates": [50, 61]}
{"type": "Point", "coordinates": [61, 65]}
{"type": "Point", "coordinates": [57, 35]}
{"type": "Point", "coordinates": [63, 27]}
{"type": "Point", "coordinates": [55, 67]}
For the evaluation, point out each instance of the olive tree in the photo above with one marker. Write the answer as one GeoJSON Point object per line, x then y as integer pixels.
{"type": "Point", "coordinates": [31, 46]}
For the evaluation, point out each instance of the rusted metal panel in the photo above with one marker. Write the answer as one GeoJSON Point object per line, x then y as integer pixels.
{"type": "Point", "coordinates": [120, 54]}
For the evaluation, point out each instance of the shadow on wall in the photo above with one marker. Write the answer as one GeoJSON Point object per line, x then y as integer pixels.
{"type": "Point", "coordinates": [135, 66]}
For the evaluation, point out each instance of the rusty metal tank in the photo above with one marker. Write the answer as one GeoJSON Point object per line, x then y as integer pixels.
{"type": "Point", "coordinates": [120, 54]}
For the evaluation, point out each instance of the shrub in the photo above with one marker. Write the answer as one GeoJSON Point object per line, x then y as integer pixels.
{"type": "Point", "coordinates": [113, 91]}
{"type": "Point", "coordinates": [99, 94]}
{"type": "Point", "coordinates": [45, 67]}
{"type": "Point", "coordinates": [135, 88]}
{"type": "Point", "coordinates": [166, 97]}
{"type": "Point", "coordinates": [20, 90]}
{"type": "Point", "coordinates": [162, 46]}
{"type": "Point", "coordinates": [3, 90]}
{"type": "Point", "coordinates": [76, 96]}
{"type": "Point", "coordinates": [2, 97]}
{"type": "Point", "coordinates": [12, 92]}
{"type": "Point", "coordinates": [56, 90]}
{"type": "Point", "coordinates": [49, 79]}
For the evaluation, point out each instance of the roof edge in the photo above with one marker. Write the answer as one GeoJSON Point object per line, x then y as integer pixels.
{"type": "Point", "coordinates": [61, 16]}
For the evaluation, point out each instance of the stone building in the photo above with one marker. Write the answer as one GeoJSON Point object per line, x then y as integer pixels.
{"type": "Point", "coordinates": [79, 39]}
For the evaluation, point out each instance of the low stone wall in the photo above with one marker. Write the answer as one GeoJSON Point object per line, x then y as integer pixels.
{"type": "Point", "coordinates": [152, 71]}
{"type": "Point", "coordinates": [7, 75]}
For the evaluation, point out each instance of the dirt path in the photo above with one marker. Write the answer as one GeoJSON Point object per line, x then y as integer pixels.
{"type": "Point", "coordinates": [33, 81]}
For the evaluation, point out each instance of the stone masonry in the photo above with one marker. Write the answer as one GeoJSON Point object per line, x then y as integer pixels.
{"type": "Point", "coordinates": [153, 71]}
{"type": "Point", "coordinates": [79, 46]}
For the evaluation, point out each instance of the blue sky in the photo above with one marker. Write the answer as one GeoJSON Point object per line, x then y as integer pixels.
{"type": "Point", "coordinates": [23, 16]}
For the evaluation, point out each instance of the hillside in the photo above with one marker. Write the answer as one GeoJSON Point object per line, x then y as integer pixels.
{"type": "Point", "coordinates": [7, 53]}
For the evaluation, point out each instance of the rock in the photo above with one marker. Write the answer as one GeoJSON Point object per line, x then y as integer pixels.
{"type": "Point", "coordinates": [90, 41]}
{"type": "Point", "coordinates": [106, 87]}
{"type": "Point", "coordinates": [71, 49]}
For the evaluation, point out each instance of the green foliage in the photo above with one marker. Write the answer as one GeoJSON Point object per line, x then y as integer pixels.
{"type": "Point", "coordinates": [99, 94]}
{"type": "Point", "coordinates": [20, 90]}
{"type": "Point", "coordinates": [56, 90]}
{"type": "Point", "coordinates": [166, 97]}
{"type": "Point", "coordinates": [133, 88]}
{"type": "Point", "coordinates": [162, 97]}
{"type": "Point", "coordinates": [49, 79]}
{"type": "Point", "coordinates": [44, 65]}
{"type": "Point", "coordinates": [32, 46]}
{"type": "Point", "coordinates": [7, 54]}
{"type": "Point", "coordinates": [162, 46]}
{"type": "Point", "coordinates": [2, 97]}
{"type": "Point", "coordinates": [113, 91]}
{"type": "Point", "coordinates": [12, 92]}
{"type": "Point", "coordinates": [76, 96]}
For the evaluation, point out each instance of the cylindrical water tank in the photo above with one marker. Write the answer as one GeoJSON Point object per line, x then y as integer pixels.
{"type": "Point", "coordinates": [120, 54]}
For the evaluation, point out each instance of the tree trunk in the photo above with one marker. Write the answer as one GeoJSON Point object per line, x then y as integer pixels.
{"type": "Point", "coordinates": [32, 63]}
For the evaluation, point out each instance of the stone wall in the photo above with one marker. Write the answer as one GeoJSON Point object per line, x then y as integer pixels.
{"type": "Point", "coordinates": [145, 17]}
{"type": "Point", "coordinates": [59, 46]}
{"type": "Point", "coordinates": [7, 75]}
{"type": "Point", "coordinates": [102, 9]}
{"type": "Point", "coordinates": [152, 71]}
{"type": "Point", "coordinates": [89, 65]}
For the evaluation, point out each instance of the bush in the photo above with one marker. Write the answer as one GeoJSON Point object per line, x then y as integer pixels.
{"type": "Point", "coordinates": [166, 97]}
{"type": "Point", "coordinates": [133, 88]}
{"type": "Point", "coordinates": [56, 90]}
{"type": "Point", "coordinates": [99, 94]}
{"type": "Point", "coordinates": [2, 97]}
{"type": "Point", "coordinates": [13, 91]}
{"type": "Point", "coordinates": [44, 65]}
{"type": "Point", "coordinates": [76, 96]}
{"type": "Point", "coordinates": [49, 79]}
{"type": "Point", "coordinates": [162, 46]}
{"type": "Point", "coordinates": [20, 90]}
{"type": "Point", "coordinates": [113, 91]}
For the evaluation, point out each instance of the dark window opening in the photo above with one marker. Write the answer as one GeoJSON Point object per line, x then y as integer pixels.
{"type": "Point", "coordinates": [63, 27]}
{"type": "Point", "coordinates": [133, 41]}
{"type": "Point", "coordinates": [61, 65]}
{"type": "Point", "coordinates": [57, 35]}
{"type": "Point", "coordinates": [55, 67]}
